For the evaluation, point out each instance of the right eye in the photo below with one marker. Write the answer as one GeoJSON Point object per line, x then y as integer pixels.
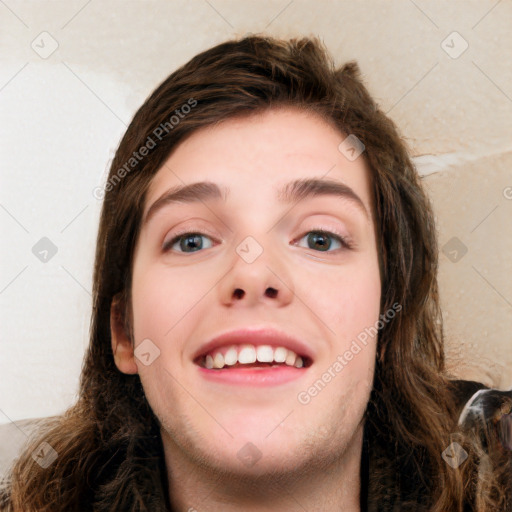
{"type": "Point", "coordinates": [185, 241]}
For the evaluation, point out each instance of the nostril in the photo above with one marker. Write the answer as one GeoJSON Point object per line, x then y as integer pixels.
{"type": "Point", "coordinates": [238, 293]}
{"type": "Point", "coordinates": [271, 292]}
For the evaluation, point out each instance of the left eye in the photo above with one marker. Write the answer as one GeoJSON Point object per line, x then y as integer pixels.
{"type": "Point", "coordinates": [319, 240]}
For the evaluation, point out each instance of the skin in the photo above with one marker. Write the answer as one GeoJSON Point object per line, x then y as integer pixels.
{"type": "Point", "coordinates": [310, 453]}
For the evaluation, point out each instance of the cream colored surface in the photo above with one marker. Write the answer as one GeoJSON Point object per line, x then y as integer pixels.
{"type": "Point", "coordinates": [476, 290]}
{"type": "Point", "coordinates": [63, 115]}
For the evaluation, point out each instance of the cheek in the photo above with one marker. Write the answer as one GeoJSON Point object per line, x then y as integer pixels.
{"type": "Point", "coordinates": [163, 312]}
{"type": "Point", "coordinates": [348, 300]}
{"type": "Point", "coordinates": [163, 300]}
{"type": "Point", "coordinates": [344, 382]}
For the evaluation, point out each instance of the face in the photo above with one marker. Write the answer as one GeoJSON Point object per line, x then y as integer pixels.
{"type": "Point", "coordinates": [251, 258]}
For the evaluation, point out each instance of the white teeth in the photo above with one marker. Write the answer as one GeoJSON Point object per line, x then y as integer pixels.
{"type": "Point", "coordinates": [247, 355]}
{"type": "Point", "coordinates": [265, 354]}
{"type": "Point", "coordinates": [231, 357]}
{"type": "Point", "coordinates": [290, 358]}
{"type": "Point", "coordinates": [218, 360]}
{"type": "Point", "coordinates": [280, 354]}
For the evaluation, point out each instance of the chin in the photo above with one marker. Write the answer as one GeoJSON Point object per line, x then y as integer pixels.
{"type": "Point", "coordinates": [254, 461]}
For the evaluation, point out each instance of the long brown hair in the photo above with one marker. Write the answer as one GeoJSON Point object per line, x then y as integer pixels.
{"type": "Point", "coordinates": [108, 444]}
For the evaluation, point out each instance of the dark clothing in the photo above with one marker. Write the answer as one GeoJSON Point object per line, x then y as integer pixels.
{"type": "Point", "coordinates": [405, 492]}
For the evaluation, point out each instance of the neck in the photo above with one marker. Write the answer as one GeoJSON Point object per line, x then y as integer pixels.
{"type": "Point", "coordinates": [328, 487]}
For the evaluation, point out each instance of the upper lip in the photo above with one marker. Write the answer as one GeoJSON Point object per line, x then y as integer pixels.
{"type": "Point", "coordinates": [255, 336]}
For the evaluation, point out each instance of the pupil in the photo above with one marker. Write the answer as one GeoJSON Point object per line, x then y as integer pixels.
{"type": "Point", "coordinates": [320, 240]}
{"type": "Point", "coordinates": [194, 239]}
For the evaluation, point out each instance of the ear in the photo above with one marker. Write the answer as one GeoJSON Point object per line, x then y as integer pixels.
{"type": "Point", "coordinates": [122, 346]}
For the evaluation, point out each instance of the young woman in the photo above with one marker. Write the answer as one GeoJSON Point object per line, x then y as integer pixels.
{"type": "Point", "coordinates": [266, 331]}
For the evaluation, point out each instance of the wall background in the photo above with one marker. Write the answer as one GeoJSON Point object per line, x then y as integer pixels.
{"type": "Point", "coordinates": [72, 74]}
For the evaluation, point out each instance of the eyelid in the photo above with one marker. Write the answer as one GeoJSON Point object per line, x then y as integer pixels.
{"type": "Point", "coordinates": [327, 226]}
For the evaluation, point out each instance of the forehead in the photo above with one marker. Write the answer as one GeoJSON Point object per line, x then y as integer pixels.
{"type": "Point", "coordinates": [256, 155]}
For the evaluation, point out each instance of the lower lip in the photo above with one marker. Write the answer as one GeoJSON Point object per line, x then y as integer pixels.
{"type": "Point", "coordinates": [254, 377]}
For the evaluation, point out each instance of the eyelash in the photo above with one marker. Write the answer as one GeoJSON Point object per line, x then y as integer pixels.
{"type": "Point", "coordinates": [345, 242]}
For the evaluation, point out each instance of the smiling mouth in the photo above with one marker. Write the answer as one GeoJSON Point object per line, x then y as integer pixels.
{"type": "Point", "coordinates": [252, 357]}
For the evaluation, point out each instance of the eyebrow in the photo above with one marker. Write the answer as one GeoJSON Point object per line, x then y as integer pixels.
{"type": "Point", "coordinates": [294, 191]}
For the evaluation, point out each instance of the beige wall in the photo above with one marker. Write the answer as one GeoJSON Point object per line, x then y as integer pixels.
{"type": "Point", "coordinates": [474, 214]}
{"type": "Point", "coordinates": [63, 114]}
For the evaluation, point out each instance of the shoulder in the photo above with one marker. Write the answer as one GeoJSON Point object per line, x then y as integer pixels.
{"type": "Point", "coordinates": [485, 410]}
{"type": "Point", "coordinates": [463, 390]}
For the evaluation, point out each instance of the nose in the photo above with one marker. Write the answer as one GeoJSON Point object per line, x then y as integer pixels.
{"type": "Point", "coordinates": [257, 275]}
